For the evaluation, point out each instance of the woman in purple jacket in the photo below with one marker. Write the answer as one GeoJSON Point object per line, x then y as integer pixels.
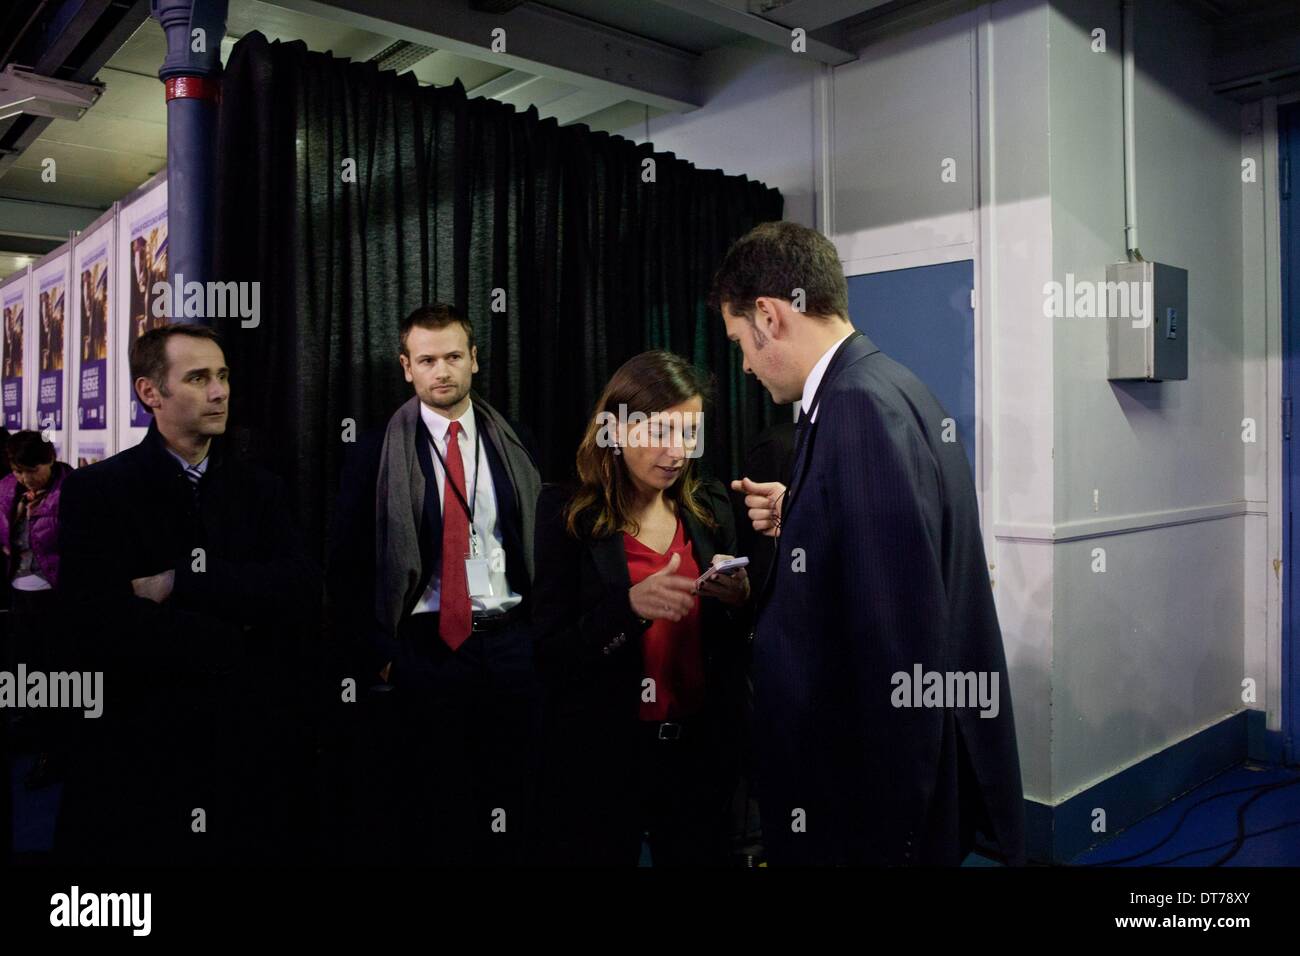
{"type": "Point", "coordinates": [29, 533]}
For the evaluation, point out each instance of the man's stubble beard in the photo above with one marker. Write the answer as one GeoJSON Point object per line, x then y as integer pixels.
{"type": "Point", "coordinates": [458, 396]}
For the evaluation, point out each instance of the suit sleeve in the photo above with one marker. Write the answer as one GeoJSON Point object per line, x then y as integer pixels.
{"type": "Point", "coordinates": [279, 576]}
{"type": "Point", "coordinates": [571, 637]}
{"type": "Point", "coordinates": [887, 503]}
{"type": "Point", "coordinates": [110, 622]}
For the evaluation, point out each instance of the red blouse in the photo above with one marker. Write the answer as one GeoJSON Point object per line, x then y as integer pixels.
{"type": "Point", "coordinates": [670, 649]}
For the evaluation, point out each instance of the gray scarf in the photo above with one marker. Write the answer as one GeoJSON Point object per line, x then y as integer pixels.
{"type": "Point", "coordinates": [399, 503]}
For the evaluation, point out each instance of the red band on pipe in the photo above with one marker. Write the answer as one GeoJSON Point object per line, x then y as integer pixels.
{"type": "Point", "coordinates": [193, 88]}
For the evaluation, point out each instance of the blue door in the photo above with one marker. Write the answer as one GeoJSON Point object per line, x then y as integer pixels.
{"type": "Point", "coordinates": [922, 318]}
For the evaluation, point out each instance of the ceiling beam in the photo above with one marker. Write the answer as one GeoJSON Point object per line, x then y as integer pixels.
{"type": "Point", "coordinates": [504, 86]}
{"type": "Point", "coordinates": [44, 220]}
{"type": "Point", "coordinates": [27, 246]}
{"type": "Point", "coordinates": [564, 108]}
{"type": "Point", "coordinates": [812, 14]}
{"type": "Point", "coordinates": [539, 40]}
{"type": "Point", "coordinates": [578, 105]}
{"type": "Point", "coordinates": [106, 31]}
{"type": "Point", "coordinates": [724, 15]}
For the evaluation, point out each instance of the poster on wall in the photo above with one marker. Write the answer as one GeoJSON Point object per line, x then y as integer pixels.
{"type": "Point", "coordinates": [93, 296]}
{"type": "Point", "coordinates": [14, 310]}
{"type": "Point", "coordinates": [49, 290]}
{"type": "Point", "coordinates": [141, 266]}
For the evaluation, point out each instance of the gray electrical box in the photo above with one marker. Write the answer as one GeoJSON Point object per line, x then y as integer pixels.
{"type": "Point", "coordinates": [1146, 315]}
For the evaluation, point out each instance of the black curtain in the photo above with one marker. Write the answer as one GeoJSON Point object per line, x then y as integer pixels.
{"type": "Point", "coordinates": [454, 198]}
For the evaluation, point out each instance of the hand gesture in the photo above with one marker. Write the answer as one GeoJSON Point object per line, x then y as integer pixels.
{"type": "Point", "coordinates": [664, 595]}
{"type": "Point", "coordinates": [763, 499]}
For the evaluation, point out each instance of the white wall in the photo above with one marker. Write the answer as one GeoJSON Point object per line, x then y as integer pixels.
{"type": "Point", "coordinates": [1151, 650]}
{"type": "Point", "coordinates": [1105, 668]}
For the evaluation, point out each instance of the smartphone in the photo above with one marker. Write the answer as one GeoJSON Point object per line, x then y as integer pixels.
{"type": "Point", "coordinates": [726, 567]}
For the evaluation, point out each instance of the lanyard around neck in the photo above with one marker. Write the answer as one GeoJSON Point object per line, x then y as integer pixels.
{"type": "Point", "coordinates": [478, 447]}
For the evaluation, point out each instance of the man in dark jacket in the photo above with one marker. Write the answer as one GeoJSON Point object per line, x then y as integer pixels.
{"type": "Point", "coordinates": [432, 565]}
{"type": "Point", "coordinates": [883, 725]}
{"type": "Point", "coordinates": [191, 590]}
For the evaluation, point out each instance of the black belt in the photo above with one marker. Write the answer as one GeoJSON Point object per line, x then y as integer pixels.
{"type": "Point", "coordinates": [482, 623]}
{"type": "Point", "coordinates": [668, 730]}
{"type": "Point", "coordinates": [487, 623]}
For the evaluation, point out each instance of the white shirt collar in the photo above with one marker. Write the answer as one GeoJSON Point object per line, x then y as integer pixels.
{"type": "Point", "coordinates": [201, 467]}
{"type": "Point", "coordinates": [818, 371]}
{"type": "Point", "coordinates": [438, 424]}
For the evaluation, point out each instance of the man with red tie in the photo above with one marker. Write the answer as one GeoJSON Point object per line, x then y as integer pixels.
{"type": "Point", "coordinates": [454, 510]}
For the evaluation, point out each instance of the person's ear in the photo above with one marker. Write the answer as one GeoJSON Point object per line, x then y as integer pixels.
{"type": "Point", "coordinates": [473, 359]}
{"type": "Point", "coordinates": [148, 393]}
{"type": "Point", "coordinates": [405, 362]}
{"type": "Point", "coordinates": [769, 317]}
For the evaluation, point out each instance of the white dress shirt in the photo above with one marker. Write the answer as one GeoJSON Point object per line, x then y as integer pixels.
{"type": "Point", "coordinates": [501, 599]}
{"type": "Point", "coordinates": [818, 371]}
{"type": "Point", "coordinates": [192, 472]}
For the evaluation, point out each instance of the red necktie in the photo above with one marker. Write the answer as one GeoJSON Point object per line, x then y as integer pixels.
{"type": "Point", "coordinates": [455, 616]}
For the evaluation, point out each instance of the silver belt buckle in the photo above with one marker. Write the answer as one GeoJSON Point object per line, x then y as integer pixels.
{"type": "Point", "coordinates": [670, 730]}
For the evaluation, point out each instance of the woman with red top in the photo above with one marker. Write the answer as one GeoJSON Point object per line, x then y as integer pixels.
{"type": "Point", "coordinates": [644, 671]}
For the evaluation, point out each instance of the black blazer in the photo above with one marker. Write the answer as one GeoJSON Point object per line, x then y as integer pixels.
{"type": "Point", "coordinates": [889, 573]}
{"type": "Point", "coordinates": [589, 654]}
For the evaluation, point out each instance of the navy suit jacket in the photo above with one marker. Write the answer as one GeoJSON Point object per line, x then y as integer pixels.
{"type": "Point", "coordinates": [880, 568]}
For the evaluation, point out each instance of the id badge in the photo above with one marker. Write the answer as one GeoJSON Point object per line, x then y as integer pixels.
{"type": "Point", "coordinates": [477, 578]}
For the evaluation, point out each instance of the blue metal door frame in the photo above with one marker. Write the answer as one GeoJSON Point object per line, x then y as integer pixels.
{"type": "Point", "coordinates": [1288, 134]}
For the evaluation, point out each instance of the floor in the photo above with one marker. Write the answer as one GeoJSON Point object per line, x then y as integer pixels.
{"type": "Point", "coordinates": [1201, 827]}
{"type": "Point", "coordinates": [1195, 830]}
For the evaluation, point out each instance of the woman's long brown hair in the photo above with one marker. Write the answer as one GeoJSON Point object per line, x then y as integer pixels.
{"type": "Point", "coordinates": [650, 382]}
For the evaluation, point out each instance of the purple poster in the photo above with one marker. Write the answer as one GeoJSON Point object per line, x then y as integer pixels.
{"type": "Point", "coordinates": [51, 298]}
{"type": "Point", "coordinates": [92, 389]}
{"type": "Point", "coordinates": [11, 377]}
{"type": "Point", "coordinates": [147, 263]}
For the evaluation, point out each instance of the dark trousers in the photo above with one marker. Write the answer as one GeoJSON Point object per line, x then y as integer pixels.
{"type": "Point", "coordinates": [451, 750]}
{"type": "Point", "coordinates": [38, 638]}
{"type": "Point", "coordinates": [684, 808]}
{"type": "Point", "coordinates": [608, 786]}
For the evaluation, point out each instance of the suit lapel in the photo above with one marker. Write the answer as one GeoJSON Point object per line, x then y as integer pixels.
{"type": "Point", "coordinates": [611, 561]}
{"type": "Point", "coordinates": [850, 352]}
{"type": "Point", "coordinates": [611, 557]}
{"type": "Point", "coordinates": [857, 348]}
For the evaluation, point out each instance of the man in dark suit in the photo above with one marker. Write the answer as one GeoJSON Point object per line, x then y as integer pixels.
{"type": "Point", "coordinates": [883, 724]}
{"type": "Point", "coordinates": [190, 588]}
{"type": "Point", "coordinates": [442, 611]}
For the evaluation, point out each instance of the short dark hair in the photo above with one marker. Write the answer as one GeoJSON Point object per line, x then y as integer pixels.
{"type": "Point", "coordinates": [149, 352]}
{"type": "Point", "coordinates": [29, 450]}
{"type": "Point", "coordinates": [775, 258]}
{"type": "Point", "coordinates": [435, 315]}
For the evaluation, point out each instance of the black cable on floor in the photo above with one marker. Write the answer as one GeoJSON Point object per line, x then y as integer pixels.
{"type": "Point", "coordinates": [1261, 787]}
{"type": "Point", "coordinates": [1206, 849]}
{"type": "Point", "coordinates": [1241, 821]}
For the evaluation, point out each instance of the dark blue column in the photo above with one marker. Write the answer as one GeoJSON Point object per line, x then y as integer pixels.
{"type": "Point", "coordinates": [193, 83]}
